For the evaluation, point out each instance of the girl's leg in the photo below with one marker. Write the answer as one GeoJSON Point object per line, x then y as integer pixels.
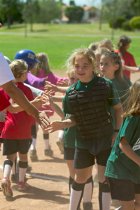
{"type": "Point", "coordinates": [88, 191]}
{"type": "Point", "coordinates": [104, 190]}
{"type": "Point", "coordinates": [33, 152]}
{"type": "Point", "coordinates": [81, 176]}
{"type": "Point", "coordinates": [71, 172]}
{"type": "Point", "coordinates": [47, 151]}
{"type": "Point", "coordinates": [23, 164]}
{"type": "Point", "coordinates": [6, 184]}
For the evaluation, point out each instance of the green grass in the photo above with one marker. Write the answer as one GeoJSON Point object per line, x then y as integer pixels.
{"type": "Point", "coordinates": [58, 41]}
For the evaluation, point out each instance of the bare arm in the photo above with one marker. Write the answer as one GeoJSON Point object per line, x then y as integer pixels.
{"type": "Point", "coordinates": [17, 95]}
{"type": "Point", "coordinates": [132, 69]}
{"type": "Point", "coordinates": [49, 86]}
{"type": "Point", "coordinates": [117, 118]}
{"type": "Point", "coordinates": [127, 150]}
{"type": "Point", "coordinates": [60, 125]}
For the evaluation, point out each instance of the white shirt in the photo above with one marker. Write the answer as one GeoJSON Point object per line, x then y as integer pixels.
{"type": "Point", "coordinates": [6, 74]}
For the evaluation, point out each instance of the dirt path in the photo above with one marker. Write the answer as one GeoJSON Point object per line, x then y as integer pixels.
{"type": "Point", "coordinates": [48, 181]}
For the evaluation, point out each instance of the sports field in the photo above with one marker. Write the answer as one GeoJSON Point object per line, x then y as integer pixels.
{"type": "Point", "coordinates": [59, 40]}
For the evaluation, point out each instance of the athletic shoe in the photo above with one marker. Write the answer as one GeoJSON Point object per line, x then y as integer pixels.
{"type": "Point", "coordinates": [48, 152]}
{"type": "Point", "coordinates": [6, 188]}
{"type": "Point", "coordinates": [22, 186]}
{"type": "Point", "coordinates": [119, 208]}
{"type": "Point", "coordinates": [60, 145]}
{"type": "Point", "coordinates": [33, 155]}
{"type": "Point", "coordinates": [87, 206]}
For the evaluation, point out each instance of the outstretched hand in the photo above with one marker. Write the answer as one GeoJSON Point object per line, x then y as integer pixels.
{"type": "Point", "coordinates": [43, 120]}
{"type": "Point", "coordinates": [54, 126]}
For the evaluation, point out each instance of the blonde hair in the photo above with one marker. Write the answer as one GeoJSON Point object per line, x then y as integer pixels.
{"type": "Point", "coordinates": [107, 43]}
{"type": "Point", "coordinates": [93, 46]}
{"type": "Point", "coordinates": [86, 52]}
{"type": "Point", "coordinates": [132, 104]}
{"type": "Point", "coordinates": [43, 62]}
{"type": "Point", "coordinates": [18, 67]}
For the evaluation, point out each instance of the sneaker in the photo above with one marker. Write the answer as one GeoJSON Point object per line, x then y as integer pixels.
{"type": "Point", "coordinates": [22, 186]}
{"type": "Point", "coordinates": [6, 188]}
{"type": "Point", "coordinates": [87, 206]}
{"type": "Point", "coordinates": [60, 145]}
{"type": "Point", "coordinates": [119, 208]}
{"type": "Point", "coordinates": [48, 152]}
{"type": "Point", "coordinates": [33, 155]}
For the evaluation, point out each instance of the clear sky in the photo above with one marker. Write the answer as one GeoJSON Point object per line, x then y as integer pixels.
{"type": "Point", "coordinates": [84, 2]}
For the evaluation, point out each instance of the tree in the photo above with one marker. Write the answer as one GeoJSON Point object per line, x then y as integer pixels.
{"type": "Point", "coordinates": [30, 11]}
{"type": "Point", "coordinates": [10, 11]}
{"type": "Point", "coordinates": [74, 13]}
{"type": "Point", "coordinates": [49, 10]}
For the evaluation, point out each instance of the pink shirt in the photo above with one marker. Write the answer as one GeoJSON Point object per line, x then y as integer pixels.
{"type": "Point", "coordinates": [18, 125]}
{"type": "Point", "coordinates": [51, 77]}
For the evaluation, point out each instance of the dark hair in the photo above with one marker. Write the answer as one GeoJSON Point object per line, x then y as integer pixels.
{"type": "Point", "coordinates": [123, 41]}
{"type": "Point", "coordinates": [116, 59]}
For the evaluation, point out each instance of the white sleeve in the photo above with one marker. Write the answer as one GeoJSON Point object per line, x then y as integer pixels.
{"type": "Point", "coordinates": [5, 71]}
{"type": "Point", "coordinates": [36, 92]}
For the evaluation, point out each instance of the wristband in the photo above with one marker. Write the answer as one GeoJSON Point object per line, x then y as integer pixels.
{"type": "Point", "coordinates": [138, 68]}
{"type": "Point", "coordinates": [116, 130]}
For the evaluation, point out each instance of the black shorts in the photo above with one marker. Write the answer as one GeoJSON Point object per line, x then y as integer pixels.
{"type": "Point", "coordinates": [83, 158]}
{"type": "Point", "coordinates": [123, 190]}
{"type": "Point", "coordinates": [13, 146]}
{"type": "Point", "coordinates": [69, 153]}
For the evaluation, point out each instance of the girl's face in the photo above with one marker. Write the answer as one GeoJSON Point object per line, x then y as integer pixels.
{"type": "Point", "coordinates": [108, 67]}
{"type": "Point", "coordinates": [83, 69]}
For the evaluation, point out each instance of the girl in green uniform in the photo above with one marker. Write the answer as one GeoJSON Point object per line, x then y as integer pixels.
{"type": "Point", "coordinates": [87, 105]}
{"type": "Point", "coordinates": [108, 61]}
{"type": "Point", "coordinates": [123, 166]}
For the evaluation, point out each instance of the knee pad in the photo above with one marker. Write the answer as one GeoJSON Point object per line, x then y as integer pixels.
{"type": "Point", "coordinates": [104, 187]}
{"type": "Point", "coordinates": [8, 162]}
{"type": "Point", "coordinates": [78, 187]}
{"type": "Point", "coordinates": [45, 135]}
{"type": "Point", "coordinates": [23, 164]}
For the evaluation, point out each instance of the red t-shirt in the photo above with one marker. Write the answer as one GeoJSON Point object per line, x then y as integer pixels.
{"type": "Point", "coordinates": [4, 100]}
{"type": "Point", "coordinates": [128, 61]}
{"type": "Point", "coordinates": [18, 125]}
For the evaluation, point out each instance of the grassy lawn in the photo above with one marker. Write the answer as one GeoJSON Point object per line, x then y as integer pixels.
{"type": "Point", "coordinates": [58, 41]}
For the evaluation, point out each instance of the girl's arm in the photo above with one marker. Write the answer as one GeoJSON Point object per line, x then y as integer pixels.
{"type": "Point", "coordinates": [127, 150]}
{"type": "Point", "coordinates": [49, 86]}
{"type": "Point", "coordinates": [14, 108]}
{"type": "Point", "coordinates": [118, 119]}
{"type": "Point", "coordinates": [60, 125]}
{"type": "Point", "coordinates": [132, 69]}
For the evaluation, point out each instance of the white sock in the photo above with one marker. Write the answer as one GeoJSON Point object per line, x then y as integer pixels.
{"type": "Point", "coordinates": [33, 145]}
{"type": "Point", "coordinates": [75, 199]}
{"type": "Point", "coordinates": [46, 142]}
{"type": "Point", "coordinates": [88, 190]}
{"type": "Point", "coordinates": [106, 200]}
{"type": "Point", "coordinates": [7, 171]}
{"type": "Point", "coordinates": [22, 173]}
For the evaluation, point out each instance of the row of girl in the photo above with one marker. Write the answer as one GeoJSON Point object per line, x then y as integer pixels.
{"type": "Point", "coordinates": [89, 105]}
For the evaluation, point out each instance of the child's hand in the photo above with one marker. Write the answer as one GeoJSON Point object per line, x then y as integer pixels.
{"type": "Point", "coordinates": [54, 126]}
{"type": "Point", "coordinates": [49, 86]}
{"type": "Point", "coordinates": [38, 101]}
{"type": "Point", "coordinates": [63, 82]}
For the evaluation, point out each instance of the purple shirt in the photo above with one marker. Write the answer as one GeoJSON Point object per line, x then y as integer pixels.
{"type": "Point", "coordinates": [35, 81]}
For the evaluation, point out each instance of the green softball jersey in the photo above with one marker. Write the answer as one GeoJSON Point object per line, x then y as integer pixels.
{"type": "Point", "coordinates": [111, 101]}
{"type": "Point", "coordinates": [69, 137]}
{"type": "Point", "coordinates": [119, 166]}
{"type": "Point", "coordinates": [122, 86]}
